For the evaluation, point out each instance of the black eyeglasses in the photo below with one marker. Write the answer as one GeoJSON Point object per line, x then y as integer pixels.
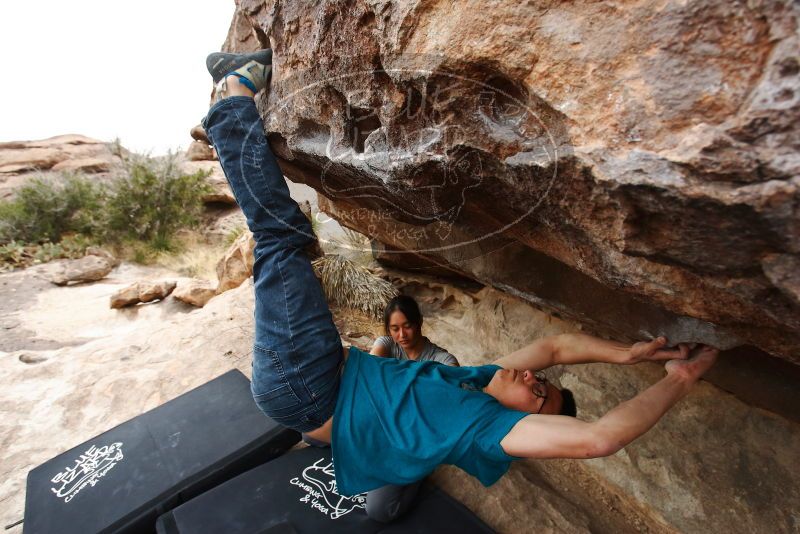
{"type": "Point", "coordinates": [539, 388]}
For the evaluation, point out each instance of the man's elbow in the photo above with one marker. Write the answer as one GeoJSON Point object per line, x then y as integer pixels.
{"type": "Point", "coordinates": [601, 443]}
{"type": "Point", "coordinates": [555, 344]}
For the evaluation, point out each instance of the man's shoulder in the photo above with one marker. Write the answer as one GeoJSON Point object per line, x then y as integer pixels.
{"type": "Point", "coordinates": [439, 354]}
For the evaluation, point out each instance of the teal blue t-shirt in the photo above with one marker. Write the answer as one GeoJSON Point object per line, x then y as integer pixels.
{"type": "Point", "coordinates": [396, 420]}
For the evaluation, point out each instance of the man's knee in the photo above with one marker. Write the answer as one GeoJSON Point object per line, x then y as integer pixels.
{"type": "Point", "coordinates": [390, 502]}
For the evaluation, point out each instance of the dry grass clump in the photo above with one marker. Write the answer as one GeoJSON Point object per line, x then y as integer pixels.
{"type": "Point", "coordinates": [194, 256]}
{"type": "Point", "coordinates": [353, 286]}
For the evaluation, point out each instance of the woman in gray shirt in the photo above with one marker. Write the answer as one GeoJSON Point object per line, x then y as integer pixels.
{"type": "Point", "coordinates": [404, 340]}
{"type": "Point", "coordinates": [402, 321]}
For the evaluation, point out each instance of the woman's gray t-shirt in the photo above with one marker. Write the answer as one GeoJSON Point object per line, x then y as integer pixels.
{"type": "Point", "coordinates": [430, 351]}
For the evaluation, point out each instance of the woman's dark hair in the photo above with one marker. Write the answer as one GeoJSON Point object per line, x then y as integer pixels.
{"type": "Point", "coordinates": [568, 403]}
{"type": "Point", "coordinates": [405, 304]}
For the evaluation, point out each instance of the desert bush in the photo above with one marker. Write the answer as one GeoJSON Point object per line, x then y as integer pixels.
{"type": "Point", "coordinates": [153, 199]}
{"type": "Point", "coordinates": [145, 203]}
{"type": "Point", "coordinates": [16, 254]}
{"type": "Point", "coordinates": [45, 209]}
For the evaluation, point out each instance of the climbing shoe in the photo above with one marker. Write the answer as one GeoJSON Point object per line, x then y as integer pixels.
{"type": "Point", "coordinates": [253, 70]}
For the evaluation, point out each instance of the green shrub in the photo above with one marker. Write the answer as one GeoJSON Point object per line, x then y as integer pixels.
{"type": "Point", "coordinates": [16, 254]}
{"type": "Point", "coordinates": [45, 209]}
{"type": "Point", "coordinates": [146, 203]}
{"type": "Point", "coordinates": [153, 199]}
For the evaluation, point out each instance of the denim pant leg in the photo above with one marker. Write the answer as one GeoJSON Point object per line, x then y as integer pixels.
{"type": "Point", "coordinates": [297, 350]}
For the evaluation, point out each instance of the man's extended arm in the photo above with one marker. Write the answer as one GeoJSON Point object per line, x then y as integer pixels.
{"type": "Point", "coordinates": [581, 348]}
{"type": "Point", "coordinates": [556, 436]}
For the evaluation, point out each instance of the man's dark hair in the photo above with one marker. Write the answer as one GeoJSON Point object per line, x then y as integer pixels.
{"type": "Point", "coordinates": [405, 304]}
{"type": "Point", "coordinates": [568, 403]}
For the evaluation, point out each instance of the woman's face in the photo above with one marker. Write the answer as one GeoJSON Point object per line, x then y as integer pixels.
{"type": "Point", "coordinates": [403, 333]}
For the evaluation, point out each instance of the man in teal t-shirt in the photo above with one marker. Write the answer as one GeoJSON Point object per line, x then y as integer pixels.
{"type": "Point", "coordinates": [395, 421]}
{"type": "Point", "coordinates": [419, 415]}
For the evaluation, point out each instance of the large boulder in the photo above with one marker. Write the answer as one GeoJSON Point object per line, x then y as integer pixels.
{"type": "Point", "coordinates": [630, 167]}
{"type": "Point", "coordinates": [236, 265]}
{"type": "Point", "coordinates": [648, 152]}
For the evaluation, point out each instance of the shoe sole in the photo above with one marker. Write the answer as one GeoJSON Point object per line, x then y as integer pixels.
{"type": "Point", "coordinates": [220, 64]}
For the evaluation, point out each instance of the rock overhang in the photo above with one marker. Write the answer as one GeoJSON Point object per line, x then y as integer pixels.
{"type": "Point", "coordinates": [654, 173]}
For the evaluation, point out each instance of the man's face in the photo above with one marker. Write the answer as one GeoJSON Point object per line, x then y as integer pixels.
{"type": "Point", "coordinates": [515, 390]}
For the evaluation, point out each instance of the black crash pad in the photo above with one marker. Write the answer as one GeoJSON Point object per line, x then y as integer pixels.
{"type": "Point", "coordinates": [296, 494]}
{"type": "Point", "coordinates": [123, 479]}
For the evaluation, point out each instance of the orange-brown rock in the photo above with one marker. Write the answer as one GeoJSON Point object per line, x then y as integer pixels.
{"type": "Point", "coordinates": [90, 268]}
{"type": "Point", "coordinates": [220, 190]}
{"type": "Point", "coordinates": [198, 133]}
{"type": "Point", "coordinates": [70, 153]}
{"type": "Point", "coordinates": [640, 156]}
{"type": "Point", "coordinates": [144, 291]}
{"type": "Point", "coordinates": [196, 292]}
{"type": "Point", "coordinates": [236, 265]}
{"type": "Point", "coordinates": [199, 151]}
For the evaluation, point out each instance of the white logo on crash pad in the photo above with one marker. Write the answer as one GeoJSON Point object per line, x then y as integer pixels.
{"type": "Point", "coordinates": [89, 467]}
{"type": "Point", "coordinates": [319, 483]}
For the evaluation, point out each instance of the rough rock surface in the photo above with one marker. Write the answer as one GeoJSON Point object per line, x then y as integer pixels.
{"type": "Point", "coordinates": [220, 190]}
{"type": "Point", "coordinates": [90, 268]}
{"type": "Point", "coordinates": [198, 133]}
{"type": "Point", "coordinates": [18, 159]}
{"type": "Point", "coordinates": [144, 291]}
{"type": "Point", "coordinates": [199, 151]}
{"type": "Point", "coordinates": [236, 265]}
{"type": "Point", "coordinates": [643, 156]}
{"type": "Point", "coordinates": [196, 292]}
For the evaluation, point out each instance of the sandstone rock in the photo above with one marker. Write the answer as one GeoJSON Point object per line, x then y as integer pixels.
{"type": "Point", "coordinates": [220, 190]}
{"type": "Point", "coordinates": [199, 151]}
{"type": "Point", "coordinates": [87, 269]}
{"type": "Point", "coordinates": [651, 154]}
{"type": "Point", "coordinates": [18, 159]}
{"type": "Point", "coordinates": [314, 250]}
{"type": "Point", "coordinates": [195, 292]}
{"type": "Point", "coordinates": [236, 265]}
{"type": "Point", "coordinates": [18, 156]}
{"type": "Point", "coordinates": [127, 296]}
{"type": "Point", "coordinates": [88, 165]}
{"type": "Point", "coordinates": [223, 223]}
{"type": "Point", "coordinates": [145, 291]}
{"type": "Point", "coordinates": [198, 133]}
{"type": "Point", "coordinates": [103, 253]}
{"type": "Point", "coordinates": [783, 270]}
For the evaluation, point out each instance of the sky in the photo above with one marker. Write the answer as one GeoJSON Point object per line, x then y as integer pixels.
{"type": "Point", "coordinates": [132, 70]}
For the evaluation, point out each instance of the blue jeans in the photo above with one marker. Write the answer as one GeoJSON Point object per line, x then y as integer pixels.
{"type": "Point", "coordinates": [297, 351]}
